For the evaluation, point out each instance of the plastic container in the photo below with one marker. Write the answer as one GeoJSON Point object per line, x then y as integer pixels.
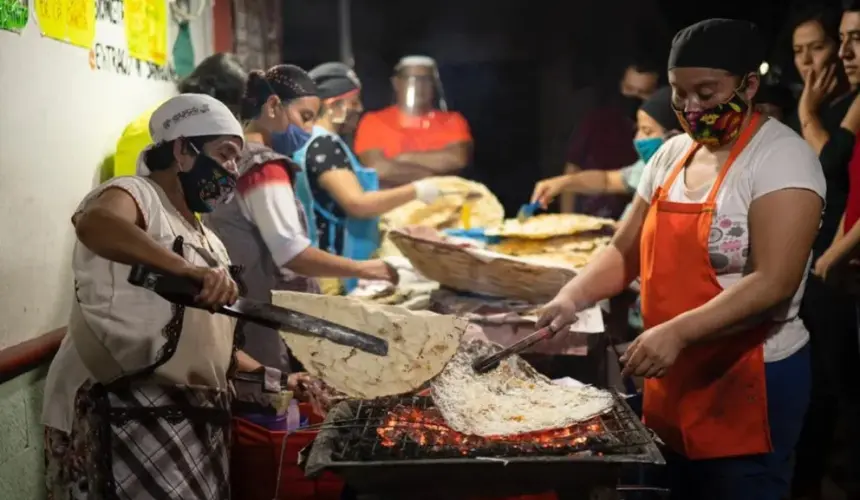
{"type": "Point", "coordinates": [257, 455]}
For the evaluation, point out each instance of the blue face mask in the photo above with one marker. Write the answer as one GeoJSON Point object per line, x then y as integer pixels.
{"type": "Point", "coordinates": [290, 140]}
{"type": "Point", "coordinates": [647, 147]}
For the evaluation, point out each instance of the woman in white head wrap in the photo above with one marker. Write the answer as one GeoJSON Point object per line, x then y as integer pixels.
{"type": "Point", "coordinates": [136, 400]}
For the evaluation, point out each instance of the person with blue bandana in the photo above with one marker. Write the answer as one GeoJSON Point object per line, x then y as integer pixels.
{"type": "Point", "coordinates": [341, 196]}
{"type": "Point", "coordinates": [655, 123]}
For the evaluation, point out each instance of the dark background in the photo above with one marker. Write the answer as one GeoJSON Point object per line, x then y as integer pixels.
{"type": "Point", "coordinates": [522, 73]}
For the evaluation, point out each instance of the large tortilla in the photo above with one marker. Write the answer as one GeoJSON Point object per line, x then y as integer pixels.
{"type": "Point", "coordinates": [419, 345]}
{"type": "Point", "coordinates": [546, 226]}
{"type": "Point", "coordinates": [444, 213]}
{"type": "Point", "coordinates": [511, 399]}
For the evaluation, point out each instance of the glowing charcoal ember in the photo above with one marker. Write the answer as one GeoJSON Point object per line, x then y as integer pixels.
{"type": "Point", "coordinates": [427, 428]}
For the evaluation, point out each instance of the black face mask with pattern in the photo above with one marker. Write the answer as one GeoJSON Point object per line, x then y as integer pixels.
{"type": "Point", "coordinates": [206, 184]}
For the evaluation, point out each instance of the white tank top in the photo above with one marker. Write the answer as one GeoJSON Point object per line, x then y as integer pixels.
{"type": "Point", "coordinates": [117, 328]}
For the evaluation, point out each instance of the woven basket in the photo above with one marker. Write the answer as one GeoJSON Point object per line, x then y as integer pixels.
{"type": "Point", "coordinates": [460, 269]}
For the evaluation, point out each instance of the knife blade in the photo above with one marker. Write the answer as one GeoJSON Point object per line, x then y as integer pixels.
{"type": "Point", "coordinates": [483, 365]}
{"type": "Point", "coordinates": [182, 291]}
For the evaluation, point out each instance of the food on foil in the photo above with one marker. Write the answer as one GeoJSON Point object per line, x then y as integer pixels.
{"type": "Point", "coordinates": [444, 213]}
{"type": "Point", "coordinates": [547, 226]}
{"type": "Point", "coordinates": [511, 399]}
{"type": "Point", "coordinates": [420, 343]}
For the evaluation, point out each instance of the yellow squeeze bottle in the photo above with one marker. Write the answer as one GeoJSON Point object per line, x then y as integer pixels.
{"type": "Point", "coordinates": [466, 215]}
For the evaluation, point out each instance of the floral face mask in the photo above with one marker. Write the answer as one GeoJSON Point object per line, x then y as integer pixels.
{"type": "Point", "coordinates": [716, 126]}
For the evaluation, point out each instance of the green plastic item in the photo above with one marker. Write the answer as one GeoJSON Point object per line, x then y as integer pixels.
{"type": "Point", "coordinates": [183, 51]}
{"type": "Point", "coordinates": [14, 15]}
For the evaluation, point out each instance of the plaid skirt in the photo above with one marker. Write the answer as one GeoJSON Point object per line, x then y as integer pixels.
{"type": "Point", "coordinates": [147, 442]}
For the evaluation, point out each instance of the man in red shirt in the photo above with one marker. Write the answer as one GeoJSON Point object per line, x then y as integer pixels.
{"type": "Point", "coordinates": [604, 140]}
{"type": "Point", "coordinates": [414, 138]}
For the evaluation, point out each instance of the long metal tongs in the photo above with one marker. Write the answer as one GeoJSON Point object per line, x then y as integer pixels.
{"type": "Point", "coordinates": [483, 365]}
{"type": "Point", "coordinates": [182, 291]}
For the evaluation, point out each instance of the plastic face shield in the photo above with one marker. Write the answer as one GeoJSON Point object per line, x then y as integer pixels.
{"type": "Point", "coordinates": [421, 93]}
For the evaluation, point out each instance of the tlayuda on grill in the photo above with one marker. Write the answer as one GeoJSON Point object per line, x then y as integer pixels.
{"type": "Point", "coordinates": [426, 347]}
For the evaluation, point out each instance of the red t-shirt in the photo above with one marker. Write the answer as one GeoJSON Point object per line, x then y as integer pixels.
{"type": "Point", "coordinates": [393, 132]}
{"type": "Point", "coordinates": [852, 208]}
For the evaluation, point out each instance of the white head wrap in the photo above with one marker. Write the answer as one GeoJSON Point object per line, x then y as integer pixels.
{"type": "Point", "coordinates": [189, 115]}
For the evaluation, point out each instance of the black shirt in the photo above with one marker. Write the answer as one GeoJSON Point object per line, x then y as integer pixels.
{"type": "Point", "coordinates": [834, 158]}
{"type": "Point", "coordinates": [323, 154]}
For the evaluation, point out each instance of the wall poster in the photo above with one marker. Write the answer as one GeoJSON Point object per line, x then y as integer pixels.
{"type": "Point", "coordinates": [146, 30]}
{"type": "Point", "coordinates": [14, 15]}
{"type": "Point", "coordinates": [70, 21]}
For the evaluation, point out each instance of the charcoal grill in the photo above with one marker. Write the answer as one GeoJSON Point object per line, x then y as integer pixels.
{"type": "Point", "coordinates": [400, 448]}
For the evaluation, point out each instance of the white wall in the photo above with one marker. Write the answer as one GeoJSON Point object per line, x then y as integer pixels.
{"type": "Point", "coordinates": [58, 120]}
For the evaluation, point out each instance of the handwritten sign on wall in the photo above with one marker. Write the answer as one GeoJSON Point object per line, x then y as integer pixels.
{"type": "Point", "coordinates": [70, 21]}
{"type": "Point", "coordinates": [146, 30]}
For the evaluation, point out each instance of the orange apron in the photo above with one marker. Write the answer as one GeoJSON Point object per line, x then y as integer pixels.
{"type": "Point", "coordinates": [712, 402]}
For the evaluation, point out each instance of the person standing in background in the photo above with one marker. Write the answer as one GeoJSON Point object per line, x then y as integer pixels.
{"type": "Point", "coordinates": [417, 137]}
{"type": "Point", "coordinates": [219, 75]}
{"type": "Point", "coordinates": [603, 141]}
{"type": "Point", "coordinates": [829, 313]}
{"type": "Point", "coordinates": [655, 124]}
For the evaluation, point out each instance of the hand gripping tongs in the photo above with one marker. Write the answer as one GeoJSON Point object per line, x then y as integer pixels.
{"type": "Point", "coordinates": [182, 291]}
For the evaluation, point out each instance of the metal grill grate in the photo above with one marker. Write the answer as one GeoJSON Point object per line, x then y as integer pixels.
{"type": "Point", "coordinates": [411, 428]}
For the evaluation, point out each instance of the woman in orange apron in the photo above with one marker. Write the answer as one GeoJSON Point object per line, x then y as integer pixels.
{"type": "Point", "coordinates": [720, 235]}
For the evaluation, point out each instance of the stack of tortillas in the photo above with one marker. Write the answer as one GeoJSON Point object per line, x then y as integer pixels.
{"type": "Point", "coordinates": [420, 343]}
{"type": "Point", "coordinates": [444, 213]}
{"type": "Point", "coordinates": [547, 226]}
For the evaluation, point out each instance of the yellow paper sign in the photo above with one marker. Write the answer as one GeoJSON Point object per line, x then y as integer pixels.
{"type": "Point", "coordinates": [70, 21]}
{"type": "Point", "coordinates": [146, 29]}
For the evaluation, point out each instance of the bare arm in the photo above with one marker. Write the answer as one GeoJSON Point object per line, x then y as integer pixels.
{"type": "Point", "coordinates": [568, 199]}
{"type": "Point", "coordinates": [845, 245]}
{"type": "Point", "coordinates": [840, 232]}
{"type": "Point", "coordinates": [615, 266]}
{"type": "Point", "coordinates": [315, 262]}
{"type": "Point", "coordinates": [447, 160]}
{"type": "Point", "coordinates": [111, 226]}
{"type": "Point", "coordinates": [597, 182]}
{"type": "Point", "coordinates": [393, 172]}
{"type": "Point", "coordinates": [344, 188]}
{"type": "Point", "coordinates": [783, 225]}
{"type": "Point", "coordinates": [812, 128]}
{"type": "Point", "coordinates": [246, 363]}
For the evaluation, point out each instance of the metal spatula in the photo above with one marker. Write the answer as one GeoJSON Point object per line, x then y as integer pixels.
{"type": "Point", "coordinates": [182, 291]}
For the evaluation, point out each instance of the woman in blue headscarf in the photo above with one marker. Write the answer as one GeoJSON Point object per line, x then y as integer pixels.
{"type": "Point", "coordinates": [340, 195]}
{"type": "Point", "coordinates": [655, 123]}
